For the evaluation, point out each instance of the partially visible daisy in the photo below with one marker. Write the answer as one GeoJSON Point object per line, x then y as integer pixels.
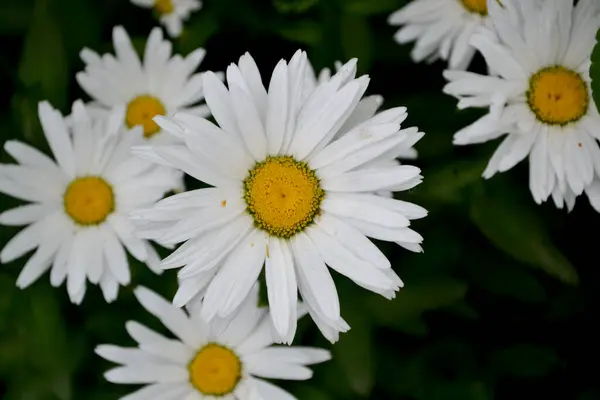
{"type": "Point", "coordinates": [441, 29]}
{"type": "Point", "coordinates": [160, 84]}
{"type": "Point", "coordinates": [78, 217]}
{"type": "Point", "coordinates": [171, 13]}
{"type": "Point", "coordinates": [285, 194]}
{"type": "Point", "coordinates": [541, 97]}
{"type": "Point", "coordinates": [207, 360]}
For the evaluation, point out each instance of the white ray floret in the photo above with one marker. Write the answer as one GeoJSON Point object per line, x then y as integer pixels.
{"type": "Point", "coordinates": [171, 13]}
{"type": "Point", "coordinates": [225, 359]}
{"type": "Point", "coordinates": [441, 29]}
{"type": "Point", "coordinates": [285, 194]}
{"type": "Point", "coordinates": [541, 98]}
{"type": "Point", "coordinates": [78, 217]}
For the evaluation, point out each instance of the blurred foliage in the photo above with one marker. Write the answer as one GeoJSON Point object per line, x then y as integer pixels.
{"type": "Point", "coordinates": [501, 304]}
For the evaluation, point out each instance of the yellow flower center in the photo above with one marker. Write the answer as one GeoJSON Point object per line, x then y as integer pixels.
{"type": "Point", "coordinates": [164, 6]}
{"type": "Point", "coordinates": [558, 96]}
{"type": "Point", "coordinates": [141, 110]}
{"type": "Point", "coordinates": [283, 195]}
{"type": "Point", "coordinates": [215, 371]}
{"type": "Point", "coordinates": [89, 200]}
{"type": "Point", "coordinates": [476, 6]}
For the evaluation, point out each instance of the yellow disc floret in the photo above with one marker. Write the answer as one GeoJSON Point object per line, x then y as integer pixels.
{"type": "Point", "coordinates": [558, 96]}
{"type": "Point", "coordinates": [215, 371]}
{"type": "Point", "coordinates": [282, 195]}
{"type": "Point", "coordinates": [476, 6]}
{"type": "Point", "coordinates": [89, 200]}
{"type": "Point", "coordinates": [164, 7]}
{"type": "Point", "coordinates": [141, 110]}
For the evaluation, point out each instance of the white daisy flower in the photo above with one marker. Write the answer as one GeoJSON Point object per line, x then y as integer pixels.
{"type": "Point", "coordinates": [441, 29]}
{"type": "Point", "coordinates": [171, 13]}
{"type": "Point", "coordinates": [284, 194]}
{"type": "Point", "coordinates": [541, 98]}
{"type": "Point", "coordinates": [78, 217]}
{"type": "Point", "coordinates": [161, 84]}
{"type": "Point", "coordinates": [207, 360]}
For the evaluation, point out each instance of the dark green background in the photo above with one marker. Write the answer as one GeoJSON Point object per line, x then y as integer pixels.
{"type": "Point", "coordinates": [502, 304]}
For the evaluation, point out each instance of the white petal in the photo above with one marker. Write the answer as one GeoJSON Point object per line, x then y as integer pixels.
{"type": "Point", "coordinates": [236, 277]}
{"type": "Point", "coordinates": [372, 179]}
{"type": "Point", "coordinates": [172, 317]}
{"type": "Point", "coordinates": [312, 270]}
{"type": "Point", "coordinates": [281, 288]}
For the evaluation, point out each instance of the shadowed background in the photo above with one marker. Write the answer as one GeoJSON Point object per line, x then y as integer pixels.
{"type": "Point", "coordinates": [500, 304]}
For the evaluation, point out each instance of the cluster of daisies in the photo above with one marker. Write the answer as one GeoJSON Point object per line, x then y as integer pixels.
{"type": "Point", "coordinates": [537, 90]}
{"type": "Point", "coordinates": [297, 176]}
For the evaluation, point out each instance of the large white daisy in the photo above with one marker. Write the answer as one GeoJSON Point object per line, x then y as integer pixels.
{"type": "Point", "coordinates": [171, 13]}
{"type": "Point", "coordinates": [541, 97]}
{"type": "Point", "coordinates": [78, 216]}
{"type": "Point", "coordinates": [284, 194]}
{"type": "Point", "coordinates": [441, 29]}
{"type": "Point", "coordinates": [221, 359]}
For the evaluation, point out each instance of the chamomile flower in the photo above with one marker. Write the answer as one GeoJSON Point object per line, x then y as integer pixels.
{"type": "Point", "coordinates": [285, 194]}
{"type": "Point", "coordinates": [207, 360]}
{"type": "Point", "coordinates": [441, 29]}
{"type": "Point", "coordinates": [171, 13]}
{"type": "Point", "coordinates": [78, 216]}
{"type": "Point", "coordinates": [541, 97]}
{"type": "Point", "coordinates": [160, 84]}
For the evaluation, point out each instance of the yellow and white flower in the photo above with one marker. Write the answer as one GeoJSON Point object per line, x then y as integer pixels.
{"type": "Point", "coordinates": [171, 13]}
{"type": "Point", "coordinates": [160, 84]}
{"type": "Point", "coordinates": [541, 98]}
{"type": "Point", "coordinates": [441, 29]}
{"type": "Point", "coordinates": [225, 359]}
{"type": "Point", "coordinates": [284, 194]}
{"type": "Point", "coordinates": [78, 217]}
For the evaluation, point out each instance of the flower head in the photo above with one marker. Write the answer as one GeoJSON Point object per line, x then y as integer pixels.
{"type": "Point", "coordinates": [541, 97]}
{"type": "Point", "coordinates": [223, 358]}
{"type": "Point", "coordinates": [78, 217]}
{"type": "Point", "coordinates": [285, 194]}
{"type": "Point", "coordinates": [171, 13]}
{"type": "Point", "coordinates": [441, 29]}
{"type": "Point", "coordinates": [160, 84]}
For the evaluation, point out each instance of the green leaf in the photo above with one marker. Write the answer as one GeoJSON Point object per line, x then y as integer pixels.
{"type": "Point", "coordinates": [455, 391]}
{"type": "Point", "coordinates": [43, 60]}
{"type": "Point", "coordinates": [198, 30]}
{"type": "Point", "coordinates": [524, 360]}
{"type": "Point", "coordinates": [303, 31]}
{"type": "Point", "coordinates": [450, 183]}
{"type": "Point", "coordinates": [358, 44]}
{"type": "Point", "coordinates": [416, 298]}
{"type": "Point", "coordinates": [595, 71]}
{"type": "Point", "coordinates": [511, 222]}
{"type": "Point", "coordinates": [507, 279]}
{"type": "Point", "coordinates": [80, 25]}
{"type": "Point", "coordinates": [15, 16]}
{"type": "Point", "coordinates": [371, 7]}
{"type": "Point", "coordinates": [354, 352]}
{"type": "Point", "coordinates": [294, 6]}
